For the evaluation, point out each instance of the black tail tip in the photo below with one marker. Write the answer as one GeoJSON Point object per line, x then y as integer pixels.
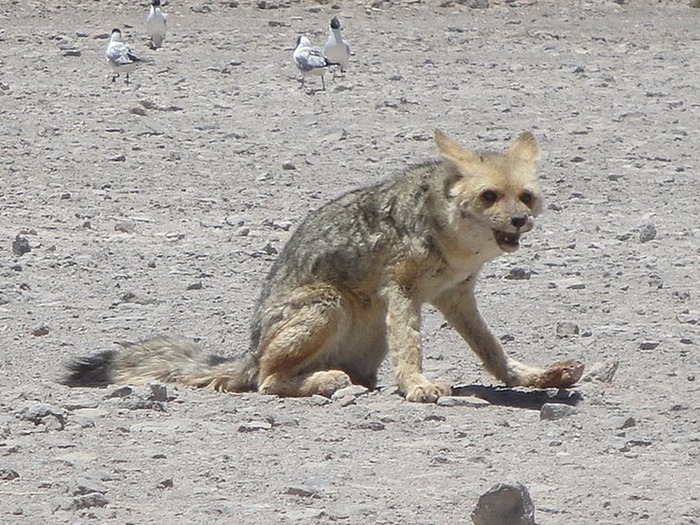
{"type": "Point", "coordinates": [91, 371]}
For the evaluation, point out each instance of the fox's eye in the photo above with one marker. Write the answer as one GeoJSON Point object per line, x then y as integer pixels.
{"type": "Point", "coordinates": [489, 196]}
{"type": "Point", "coordinates": [526, 198]}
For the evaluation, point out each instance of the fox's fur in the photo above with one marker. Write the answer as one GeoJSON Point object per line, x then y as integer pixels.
{"type": "Point", "coordinates": [349, 285]}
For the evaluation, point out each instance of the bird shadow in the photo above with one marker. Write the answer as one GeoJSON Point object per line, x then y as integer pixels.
{"type": "Point", "coordinates": [518, 398]}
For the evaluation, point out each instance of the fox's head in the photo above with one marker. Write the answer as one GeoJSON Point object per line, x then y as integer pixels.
{"type": "Point", "coordinates": [497, 191]}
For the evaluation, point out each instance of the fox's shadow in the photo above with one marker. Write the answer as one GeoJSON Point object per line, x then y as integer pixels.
{"type": "Point", "coordinates": [529, 399]}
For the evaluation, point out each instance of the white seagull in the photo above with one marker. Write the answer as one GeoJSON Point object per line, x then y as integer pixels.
{"type": "Point", "coordinates": [120, 56]}
{"type": "Point", "coordinates": [156, 24]}
{"type": "Point", "coordinates": [310, 60]}
{"type": "Point", "coordinates": [337, 49]}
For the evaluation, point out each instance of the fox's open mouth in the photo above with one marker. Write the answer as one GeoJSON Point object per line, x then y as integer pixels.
{"type": "Point", "coordinates": [507, 241]}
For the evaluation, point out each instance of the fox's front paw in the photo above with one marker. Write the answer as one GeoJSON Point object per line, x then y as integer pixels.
{"type": "Point", "coordinates": [427, 392]}
{"type": "Point", "coordinates": [560, 375]}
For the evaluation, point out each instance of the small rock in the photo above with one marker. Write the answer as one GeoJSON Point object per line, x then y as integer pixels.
{"type": "Point", "coordinates": [519, 274]}
{"type": "Point", "coordinates": [125, 227]}
{"type": "Point", "coordinates": [505, 504]}
{"type": "Point", "coordinates": [254, 426]}
{"type": "Point", "coordinates": [302, 492]}
{"type": "Point", "coordinates": [648, 345]}
{"type": "Point", "coordinates": [554, 411]}
{"type": "Point", "coordinates": [40, 331]}
{"type": "Point", "coordinates": [288, 166]}
{"type": "Point", "coordinates": [567, 329]}
{"type": "Point", "coordinates": [647, 233]}
{"type": "Point", "coordinates": [462, 401]}
{"type": "Point", "coordinates": [7, 474]}
{"type": "Point", "coordinates": [43, 413]}
{"type": "Point", "coordinates": [122, 391]}
{"type": "Point", "coordinates": [603, 371]}
{"type": "Point", "coordinates": [159, 392]}
{"type": "Point", "coordinates": [118, 158]}
{"type": "Point", "coordinates": [20, 246]}
{"type": "Point", "coordinates": [87, 485]}
{"type": "Point", "coordinates": [138, 110]}
{"type": "Point", "coordinates": [72, 53]}
{"type": "Point", "coordinates": [166, 483]}
{"type": "Point", "coordinates": [352, 390]}
{"type": "Point", "coordinates": [87, 501]}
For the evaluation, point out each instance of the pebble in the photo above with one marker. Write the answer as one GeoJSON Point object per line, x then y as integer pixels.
{"type": "Point", "coordinates": [554, 411]}
{"type": "Point", "coordinates": [20, 246]}
{"type": "Point", "coordinates": [648, 345]}
{"type": "Point", "coordinates": [603, 371]}
{"type": "Point", "coordinates": [462, 401]}
{"type": "Point", "coordinates": [87, 501]}
{"type": "Point", "coordinates": [567, 329]}
{"type": "Point", "coordinates": [254, 426]}
{"type": "Point", "coordinates": [40, 331]}
{"type": "Point", "coordinates": [44, 413]}
{"type": "Point", "coordinates": [647, 233]}
{"type": "Point", "coordinates": [505, 504]}
{"type": "Point", "coordinates": [518, 274]}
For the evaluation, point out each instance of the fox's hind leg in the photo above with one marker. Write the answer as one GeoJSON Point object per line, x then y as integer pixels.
{"type": "Point", "coordinates": [297, 343]}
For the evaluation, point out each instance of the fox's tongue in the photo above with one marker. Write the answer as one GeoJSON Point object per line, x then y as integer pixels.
{"type": "Point", "coordinates": [507, 239]}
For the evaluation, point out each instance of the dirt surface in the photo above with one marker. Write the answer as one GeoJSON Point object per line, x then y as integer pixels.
{"type": "Point", "coordinates": [158, 207]}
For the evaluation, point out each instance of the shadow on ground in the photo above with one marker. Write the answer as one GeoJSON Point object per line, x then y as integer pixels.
{"type": "Point", "coordinates": [518, 398]}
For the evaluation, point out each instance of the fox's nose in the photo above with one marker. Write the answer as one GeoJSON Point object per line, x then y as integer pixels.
{"type": "Point", "coordinates": [518, 222]}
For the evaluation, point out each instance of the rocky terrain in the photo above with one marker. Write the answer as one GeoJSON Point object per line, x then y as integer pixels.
{"type": "Point", "coordinates": [158, 206]}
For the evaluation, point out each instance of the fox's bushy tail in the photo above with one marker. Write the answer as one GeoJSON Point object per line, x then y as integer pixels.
{"type": "Point", "coordinates": [164, 359]}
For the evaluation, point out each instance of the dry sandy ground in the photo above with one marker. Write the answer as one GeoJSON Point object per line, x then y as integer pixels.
{"type": "Point", "coordinates": [158, 207]}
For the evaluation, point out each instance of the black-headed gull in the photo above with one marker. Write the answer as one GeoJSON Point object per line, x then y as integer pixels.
{"type": "Point", "coordinates": [156, 24]}
{"type": "Point", "coordinates": [310, 60]}
{"type": "Point", "coordinates": [121, 57]}
{"type": "Point", "coordinates": [337, 49]}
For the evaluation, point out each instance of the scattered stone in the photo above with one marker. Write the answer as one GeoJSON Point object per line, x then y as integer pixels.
{"type": "Point", "coordinates": [603, 371]}
{"type": "Point", "coordinates": [166, 483]}
{"type": "Point", "coordinates": [118, 158]}
{"type": "Point", "coordinates": [567, 329]}
{"type": "Point", "coordinates": [43, 414]}
{"type": "Point", "coordinates": [555, 411]}
{"type": "Point", "coordinates": [505, 504]}
{"type": "Point", "coordinates": [7, 474]}
{"type": "Point", "coordinates": [519, 274]}
{"type": "Point", "coordinates": [254, 426]}
{"type": "Point", "coordinates": [125, 227]}
{"type": "Point", "coordinates": [370, 425]}
{"type": "Point", "coordinates": [195, 286]}
{"type": "Point", "coordinates": [122, 391]}
{"type": "Point", "coordinates": [20, 246]}
{"type": "Point", "coordinates": [623, 422]}
{"type": "Point", "coordinates": [648, 345]}
{"type": "Point", "coordinates": [159, 392]}
{"type": "Point", "coordinates": [137, 110]}
{"type": "Point", "coordinates": [288, 166]}
{"type": "Point", "coordinates": [462, 401]}
{"type": "Point", "coordinates": [319, 400]}
{"type": "Point", "coordinates": [88, 485]}
{"type": "Point", "coordinates": [40, 331]}
{"type": "Point", "coordinates": [647, 233]}
{"type": "Point", "coordinates": [352, 391]}
{"type": "Point", "coordinates": [302, 492]}
{"type": "Point", "coordinates": [87, 501]}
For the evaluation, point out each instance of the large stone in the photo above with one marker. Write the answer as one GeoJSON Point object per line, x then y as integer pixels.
{"type": "Point", "coordinates": [505, 504]}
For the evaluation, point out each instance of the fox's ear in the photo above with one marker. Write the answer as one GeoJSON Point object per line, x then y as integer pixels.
{"type": "Point", "coordinates": [525, 147]}
{"type": "Point", "coordinates": [449, 149]}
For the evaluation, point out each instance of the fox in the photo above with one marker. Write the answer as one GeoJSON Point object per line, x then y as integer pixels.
{"type": "Point", "coordinates": [348, 288]}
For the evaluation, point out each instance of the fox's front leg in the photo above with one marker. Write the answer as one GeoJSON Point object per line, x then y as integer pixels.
{"type": "Point", "coordinates": [458, 305]}
{"type": "Point", "coordinates": [404, 342]}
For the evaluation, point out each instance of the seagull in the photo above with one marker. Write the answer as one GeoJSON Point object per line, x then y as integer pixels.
{"type": "Point", "coordinates": [310, 60]}
{"type": "Point", "coordinates": [337, 49]}
{"type": "Point", "coordinates": [156, 24]}
{"type": "Point", "coordinates": [120, 56]}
